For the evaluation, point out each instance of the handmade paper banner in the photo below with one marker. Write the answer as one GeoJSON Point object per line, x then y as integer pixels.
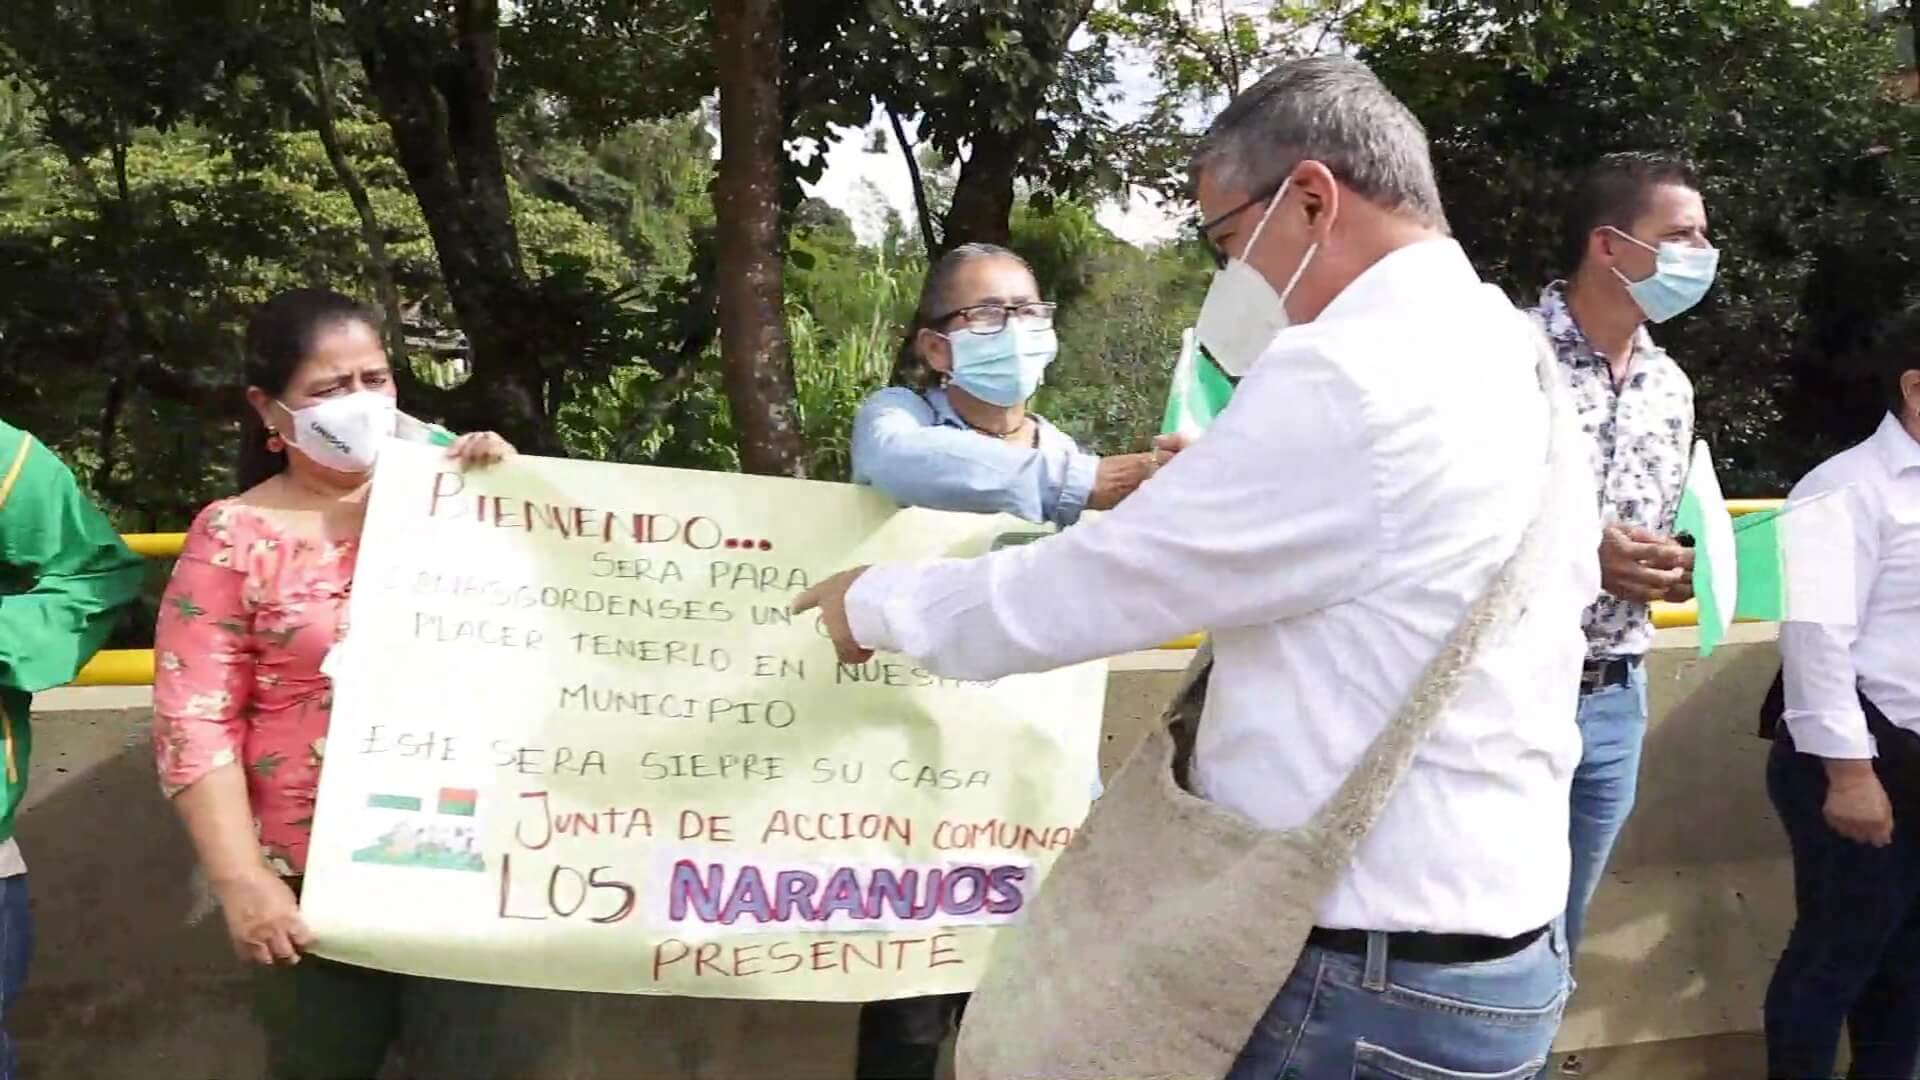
{"type": "Point", "coordinates": [578, 743]}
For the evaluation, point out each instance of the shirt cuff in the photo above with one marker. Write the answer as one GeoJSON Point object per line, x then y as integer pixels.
{"type": "Point", "coordinates": [876, 609]}
{"type": "Point", "coordinates": [1075, 488]}
{"type": "Point", "coordinates": [1840, 733]}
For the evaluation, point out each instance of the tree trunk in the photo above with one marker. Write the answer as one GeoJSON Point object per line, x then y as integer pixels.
{"type": "Point", "coordinates": [325, 126]}
{"type": "Point", "coordinates": [126, 335]}
{"type": "Point", "coordinates": [982, 209]}
{"type": "Point", "coordinates": [1913, 28]}
{"type": "Point", "coordinates": [692, 306]}
{"type": "Point", "coordinates": [753, 340]}
{"type": "Point", "coordinates": [918, 182]}
{"type": "Point", "coordinates": [982, 206]}
{"type": "Point", "coordinates": [435, 84]}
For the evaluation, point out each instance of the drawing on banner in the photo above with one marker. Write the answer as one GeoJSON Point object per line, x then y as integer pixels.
{"type": "Point", "coordinates": [579, 742]}
{"type": "Point", "coordinates": [429, 846]}
{"type": "Point", "coordinates": [416, 840]}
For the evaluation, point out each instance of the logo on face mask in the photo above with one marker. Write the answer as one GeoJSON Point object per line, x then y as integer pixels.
{"type": "Point", "coordinates": [335, 441]}
{"type": "Point", "coordinates": [343, 433]}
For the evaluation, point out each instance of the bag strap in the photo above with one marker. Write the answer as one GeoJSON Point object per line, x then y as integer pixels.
{"type": "Point", "coordinates": [1346, 818]}
{"type": "Point", "coordinates": [13, 471]}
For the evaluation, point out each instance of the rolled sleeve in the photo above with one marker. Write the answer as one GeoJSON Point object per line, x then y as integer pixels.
{"type": "Point", "coordinates": [1823, 705]}
{"type": "Point", "coordinates": [901, 452]}
{"type": "Point", "coordinates": [1076, 487]}
{"type": "Point", "coordinates": [868, 616]}
{"type": "Point", "coordinates": [1820, 679]}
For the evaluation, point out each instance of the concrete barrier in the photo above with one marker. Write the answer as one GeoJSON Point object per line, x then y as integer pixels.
{"type": "Point", "coordinates": [1682, 938]}
{"type": "Point", "coordinates": [1698, 898]}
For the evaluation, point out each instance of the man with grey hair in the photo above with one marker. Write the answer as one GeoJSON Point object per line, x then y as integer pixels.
{"type": "Point", "coordinates": [1384, 455]}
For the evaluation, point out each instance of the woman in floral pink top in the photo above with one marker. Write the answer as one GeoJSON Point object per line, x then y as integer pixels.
{"type": "Point", "coordinates": [252, 609]}
{"type": "Point", "coordinates": [240, 707]}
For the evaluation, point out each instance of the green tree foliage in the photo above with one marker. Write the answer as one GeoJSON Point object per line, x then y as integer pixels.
{"type": "Point", "coordinates": [1123, 310]}
{"type": "Point", "coordinates": [1786, 111]}
{"type": "Point", "coordinates": [165, 166]}
{"type": "Point", "coordinates": [1012, 90]}
{"type": "Point", "coordinates": [217, 235]}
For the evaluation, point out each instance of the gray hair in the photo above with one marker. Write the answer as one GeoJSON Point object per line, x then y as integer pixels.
{"type": "Point", "coordinates": [936, 299]}
{"type": "Point", "coordinates": [1332, 110]}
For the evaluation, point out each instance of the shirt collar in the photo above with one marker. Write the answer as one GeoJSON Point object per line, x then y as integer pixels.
{"type": "Point", "coordinates": [1572, 343]}
{"type": "Point", "coordinates": [944, 413]}
{"type": "Point", "coordinates": [1386, 283]}
{"type": "Point", "coordinates": [1897, 448]}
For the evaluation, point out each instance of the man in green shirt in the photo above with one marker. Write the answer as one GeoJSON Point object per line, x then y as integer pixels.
{"type": "Point", "coordinates": [64, 577]}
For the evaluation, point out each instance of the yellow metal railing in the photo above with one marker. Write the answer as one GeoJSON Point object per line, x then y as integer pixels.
{"type": "Point", "coordinates": [1669, 616]}
{"type": "Point", "coordinates": [134, 667]}
{"type": "Point", "coordinates": [131, 667]}
{"type": "Point", "coordinates": [156, 545]}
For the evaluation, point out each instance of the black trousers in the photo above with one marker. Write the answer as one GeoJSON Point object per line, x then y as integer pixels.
{"type": "Point", "coordinates": [900, 1039]}
{"type": "Point", "coordinates": [1854, 955]}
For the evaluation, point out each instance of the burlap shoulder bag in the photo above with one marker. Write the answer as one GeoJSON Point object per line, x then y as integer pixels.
{"type": "Point", "coordinates": [1165, 931]}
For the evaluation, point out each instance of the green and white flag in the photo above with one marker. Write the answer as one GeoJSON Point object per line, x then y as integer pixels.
{"type": "Point", "coordinates": [1796, 563]}
{"type": "Point", "coordinates": [1199, 392]}
{"type": "Point", "coordinates": [1716, 572]}
{"type": "Point", "coordinates": [406, 427]}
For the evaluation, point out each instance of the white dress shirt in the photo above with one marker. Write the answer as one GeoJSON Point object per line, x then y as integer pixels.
{"type": "Point", "coordinates": [1828, 667]}
{"type": "Point", "coordinates": [1329, 531]}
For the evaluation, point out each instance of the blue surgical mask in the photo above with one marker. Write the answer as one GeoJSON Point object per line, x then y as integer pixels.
{"type": "Point", "coordinates": [1003, 369]}
{"type": "Point", "coordinates": [1681, 276]}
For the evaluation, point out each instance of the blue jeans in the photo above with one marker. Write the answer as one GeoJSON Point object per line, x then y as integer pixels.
{"type": "Point", "coordinates": [16, 949]}
{"type": "Point", "coordinates": [1854, 954]}
{"type": "Point", "coordinates": [1376, 1018]}
{"type": "Point", "coordinates": [1613, 724]}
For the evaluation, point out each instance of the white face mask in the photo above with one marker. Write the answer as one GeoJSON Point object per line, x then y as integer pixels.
{"type": "Point", "coordinates": [1242, 314]}
{"type": "Point", "coordinates": [344, 433]}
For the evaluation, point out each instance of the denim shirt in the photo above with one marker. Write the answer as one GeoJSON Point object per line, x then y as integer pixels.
{"type": "Point", "coordinates": [916, 450]}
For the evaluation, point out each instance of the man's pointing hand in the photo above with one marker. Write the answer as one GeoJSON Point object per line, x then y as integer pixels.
{"type": "Point", "coordinates": [830, 596]}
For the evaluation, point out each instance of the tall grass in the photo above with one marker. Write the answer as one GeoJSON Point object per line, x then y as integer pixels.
{"type": "Point", "coordinates": [834, 372]}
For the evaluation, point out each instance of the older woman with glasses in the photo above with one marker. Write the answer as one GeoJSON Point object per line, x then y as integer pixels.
{"type": "Point", "coordinates": [954, 433]}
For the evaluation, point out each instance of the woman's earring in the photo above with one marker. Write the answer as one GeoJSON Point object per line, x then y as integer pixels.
{"type": "Point", "coordinates": [275, 444]}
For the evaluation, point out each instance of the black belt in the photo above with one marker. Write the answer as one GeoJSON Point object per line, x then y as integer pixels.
{"type": "Point", "coordinates": [1607, 674]}
{"type": "Point", "coordinates": [1420, 948]}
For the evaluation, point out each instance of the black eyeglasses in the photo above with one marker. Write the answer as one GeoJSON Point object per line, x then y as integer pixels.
{"type": "Point", "coordinates": [992, 318]}
{"type": "Point", "coordinates": [1220, 257]}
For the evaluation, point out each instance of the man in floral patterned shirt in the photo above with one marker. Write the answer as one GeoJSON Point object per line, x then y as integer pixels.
{"type": "Point", "coordinates": [1640, 252]}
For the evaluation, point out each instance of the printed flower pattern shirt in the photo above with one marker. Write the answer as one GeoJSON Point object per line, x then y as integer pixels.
{"type": "Point", "coordinates": [249, 615]}
{"type": "Point", "coordinates": [1642, 431]}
